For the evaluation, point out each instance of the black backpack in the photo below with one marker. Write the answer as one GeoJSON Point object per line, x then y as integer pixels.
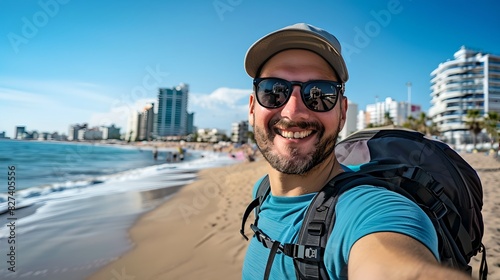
{"type": "Point", "coordinates": [426, 171]}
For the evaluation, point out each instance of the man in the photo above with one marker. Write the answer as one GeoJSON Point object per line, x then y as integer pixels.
{"type": "Point", "coordinates": [297, 110]}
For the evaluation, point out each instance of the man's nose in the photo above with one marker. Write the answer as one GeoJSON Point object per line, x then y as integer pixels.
{"type": "Point", "coordinates": [295, 109]}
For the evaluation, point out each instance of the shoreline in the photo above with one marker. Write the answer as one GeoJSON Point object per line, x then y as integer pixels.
{"type": "Point", "coordinates": [208, 212]}
{"type": "Point", "coordinates": [195, 234]}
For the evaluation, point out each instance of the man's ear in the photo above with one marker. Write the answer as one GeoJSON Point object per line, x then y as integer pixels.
{"type": "Point", "coordinates": [251, 109]}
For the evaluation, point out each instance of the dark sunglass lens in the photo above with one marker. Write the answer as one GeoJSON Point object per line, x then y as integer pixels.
{"type": "Point", "coordinates": [320, 96]}
{"type": "Point", "coordinates": [272, 93]}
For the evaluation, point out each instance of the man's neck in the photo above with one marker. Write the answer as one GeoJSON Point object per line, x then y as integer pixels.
{"type": "Point", "coordinates": [313, 181]}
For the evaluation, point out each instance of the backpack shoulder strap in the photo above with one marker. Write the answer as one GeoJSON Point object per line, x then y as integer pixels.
{"type": "Point", "coordinates": [318, 224]}
{"type": "Point", "coordinates": [262, 192]}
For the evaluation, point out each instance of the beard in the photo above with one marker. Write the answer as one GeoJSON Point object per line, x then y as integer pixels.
{"type": "Point", "coordinates": [296, 162]}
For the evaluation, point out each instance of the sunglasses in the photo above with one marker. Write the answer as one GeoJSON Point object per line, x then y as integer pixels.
{"type": "Point", "coordinates": [317, 95]}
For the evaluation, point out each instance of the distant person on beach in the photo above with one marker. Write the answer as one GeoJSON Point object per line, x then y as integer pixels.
{"type": "Point", "coordinates": [378, 234]}
{"type": "Point", "coordinates": [181, 153]}
{"type": "Point", "coordinates": [155, 153]}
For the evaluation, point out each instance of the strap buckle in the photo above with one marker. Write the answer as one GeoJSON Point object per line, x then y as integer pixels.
{"type": "Point", "coordinates": [303, 252]}
{"type": "Point", "coordinates": [264, 238]}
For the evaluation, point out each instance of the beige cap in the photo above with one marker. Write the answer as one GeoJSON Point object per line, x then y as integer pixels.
{"type": "Point", "coordinates": [297, 36]}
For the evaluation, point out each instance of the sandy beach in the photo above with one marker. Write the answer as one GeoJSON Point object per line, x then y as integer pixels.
{"type": "Point", "coordinates": [195, 235]}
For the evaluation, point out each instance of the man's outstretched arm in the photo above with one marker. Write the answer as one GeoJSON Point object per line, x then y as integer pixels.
{"type": "Point", "coordinates": [389, 255]}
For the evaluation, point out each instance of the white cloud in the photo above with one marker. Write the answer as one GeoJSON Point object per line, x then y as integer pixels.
{"type": "Point", "coordinates": [225, 97]}
{"type": "Point", "coordinates": [18, 96]}
{"type": "Point", "coordinates": [119, 115]}
{"type": "Point", "coordinates": [220, 108]}
{"type": "Point", "coordinates": [60, 89]}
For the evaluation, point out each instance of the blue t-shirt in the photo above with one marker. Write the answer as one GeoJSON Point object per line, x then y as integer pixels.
{"type": "Point", "coordinates": [360, 211]}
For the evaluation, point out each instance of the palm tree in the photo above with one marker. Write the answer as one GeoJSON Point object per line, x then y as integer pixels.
{"type": "Point", "coordinates": [130, 136]}
{"type": "Point", "coordinates": [388, 119]}
{"type": "Point", "coordinates": [410, 123]}
{"type": "Point", "coordinates": [491, 124]}
{"type": "Point", "coordinates": [475, 123]}
{"type": "Point", "coordinates": [422, 124]}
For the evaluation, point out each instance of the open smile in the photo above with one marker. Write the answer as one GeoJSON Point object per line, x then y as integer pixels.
{"type": "Point", "coordinates": [294, 134]}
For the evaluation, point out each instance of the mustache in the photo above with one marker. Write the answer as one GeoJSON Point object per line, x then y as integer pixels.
{"type": "Point", "coordinates": [285, 124]}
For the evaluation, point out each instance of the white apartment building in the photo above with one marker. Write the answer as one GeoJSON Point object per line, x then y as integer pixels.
{"type": "Point", "coordinates": [398, 112]}
{"type": "Point", "coordinates": [239, 132]}
{"type": "Point", "coordinates": [351, 121]}
{"type": "Point", "coordinates": [470, 81]}
{"type": "Point", "coordinates": [210, 135]}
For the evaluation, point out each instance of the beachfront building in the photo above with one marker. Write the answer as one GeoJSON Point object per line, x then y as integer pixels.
{"type": "Point", "coordinates": [132, 127]}
{"type": "Point", "coordinates": [191, 129]}
{"type": "Point", "coordinates": [76, 132]}
{"type": "Point", "coordinates": [145, 123]}
{"type": "Point", "coordinates": [363, 119]}
{"type": "Point", "coordinates": [239, 132]}
{"type": "Point", "coordinates": [351, 121]}
{"type": "Point", "coordinates": [211, 135]}
{"type": "Point", "coordinates": [20, 132]}
{"type": "Point", "coordinates": [172, 118]}
{"type": "Point", "coordinates": [470, 81]}
{"type": "Point", "coordinates": [389, 110]}
{"type": "Point", "coordinates": [92, 134]}
{"type": "Point", "coordinates": [110, 132]}
{"type": "Point", "coordinates": [83, 132]}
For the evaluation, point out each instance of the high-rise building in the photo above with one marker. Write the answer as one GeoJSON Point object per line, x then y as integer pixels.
{"type": "Point", "coordinates": [172, 119]}
{"type": "Point", "coordinates": [132, 127]}
{"type": "Point", "coordinates": [239, 132]}
{"type": "Point", "coordinates": [145, 122]}
{"type": "Point", "coordinates": [470, 81]}
{"type": "Point", "coordinates": [20, 131]}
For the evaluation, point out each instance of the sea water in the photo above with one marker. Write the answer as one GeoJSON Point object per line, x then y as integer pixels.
{"type": "Point", "coordinates": [46, 168]}
{"type": "Point", "coordinates": [81, 197]}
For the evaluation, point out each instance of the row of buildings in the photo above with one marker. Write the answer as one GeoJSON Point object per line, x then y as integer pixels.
{"type": "Point", "coordinates": [22, 133]}
{"type": "Point", "coordinates": [77, 132]}
{"type": "Point", "coordinates": [376, 114]}
{"type": "Point", "coordinates": [469, 81]}
{"type": "Point", "coordinates": [82, 132]}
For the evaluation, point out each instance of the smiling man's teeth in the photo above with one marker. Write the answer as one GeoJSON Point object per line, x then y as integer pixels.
{"type": "Point", "coordinates": [296, 135]}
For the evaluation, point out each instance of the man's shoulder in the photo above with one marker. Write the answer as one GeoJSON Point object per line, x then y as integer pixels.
{"type": "Point", "coordinates": [371, 193]}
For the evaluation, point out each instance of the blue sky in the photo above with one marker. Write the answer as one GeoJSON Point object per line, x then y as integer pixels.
{"type": "Point", "coordinates": [71, 61]}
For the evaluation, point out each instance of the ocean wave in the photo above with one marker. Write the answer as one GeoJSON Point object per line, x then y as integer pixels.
{"type": "Point", "coordinates": [171, 172]}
